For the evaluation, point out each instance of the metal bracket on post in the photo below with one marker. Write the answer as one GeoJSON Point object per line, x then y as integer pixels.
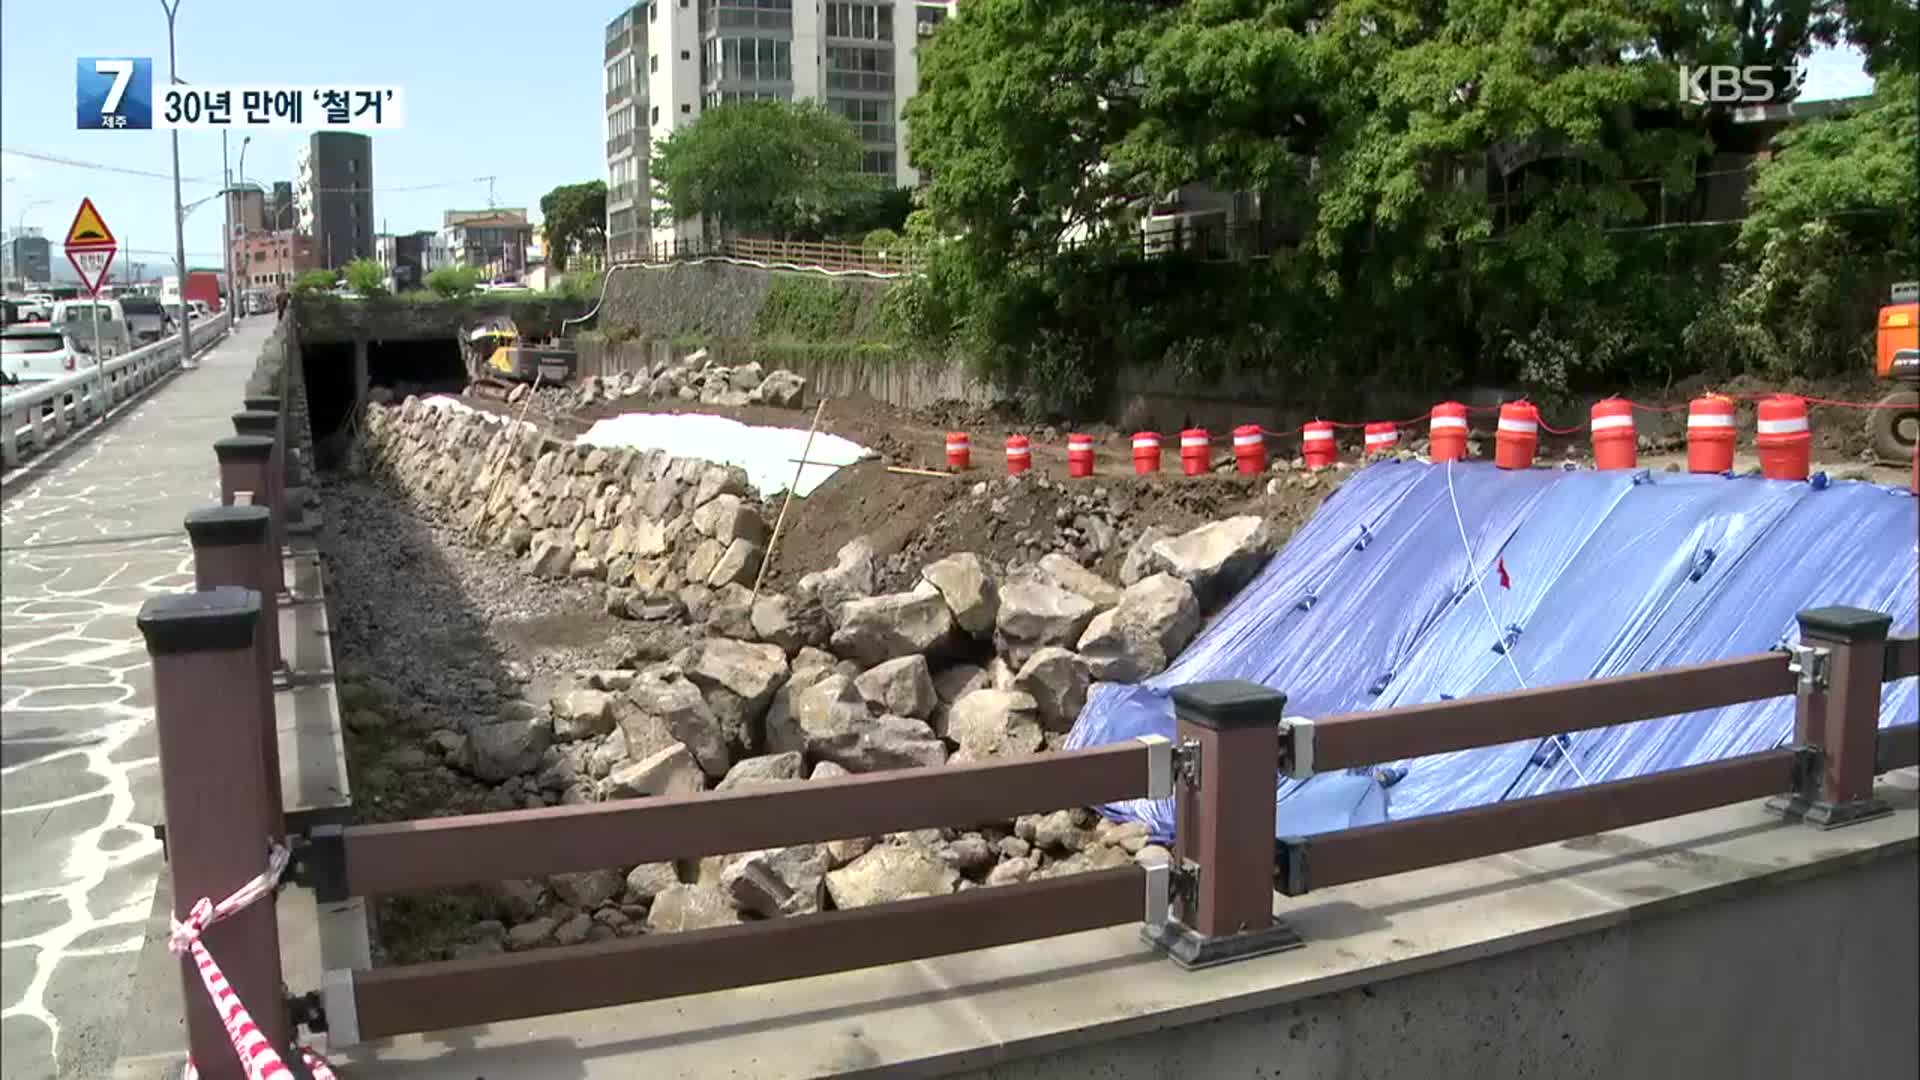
{"type": "Point", "coordinates": [1296, 747]}
{"type": "Point", "coordinates": [320, 863]}
{"type": "Point", "coordinates": [1810, 663]}
{"type": "Point", "coordinates": [1290, 866]}
{"type": "Point", "coordinates": [342, 1012]}
{"type": "Point", "coordinates": [1159, 765]}
{"type": "Point", "coordinates": [1186, 764]}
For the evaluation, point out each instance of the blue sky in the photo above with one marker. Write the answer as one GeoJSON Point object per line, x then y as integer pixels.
{"type": "Point", "coordinates": [492, 87]}
{"type": "Point", "coordinates": [507, 89]}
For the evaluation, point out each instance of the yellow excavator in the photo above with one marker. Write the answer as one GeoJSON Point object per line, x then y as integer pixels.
{"type": "Point", "coordinates": [1894, 427]}
{"type": "Point", "coordinates": [496, 357]}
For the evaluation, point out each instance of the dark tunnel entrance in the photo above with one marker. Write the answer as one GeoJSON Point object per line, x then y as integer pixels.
{"type": "Point", "coordinates": [418, 366]}
{"type": "Point", "coordinates": [394, 369]}
{"type": "Point", "coordinates": [330, 391]}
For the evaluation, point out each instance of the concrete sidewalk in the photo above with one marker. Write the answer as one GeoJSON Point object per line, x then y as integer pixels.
{"type": "Point", "coordinates": [85, 544]}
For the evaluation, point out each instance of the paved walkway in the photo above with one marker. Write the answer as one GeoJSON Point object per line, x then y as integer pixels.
{"type": "Point", "coordinates": [83, 546]}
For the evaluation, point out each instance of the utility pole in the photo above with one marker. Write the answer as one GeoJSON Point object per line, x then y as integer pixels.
{"type": "Point", "coordinates": [179, 215]}
{"type": "Point", "coordinates": [226, 228]}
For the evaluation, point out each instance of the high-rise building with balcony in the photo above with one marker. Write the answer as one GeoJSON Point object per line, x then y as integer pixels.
{"type": "Point", "coordinates": [667, 60]}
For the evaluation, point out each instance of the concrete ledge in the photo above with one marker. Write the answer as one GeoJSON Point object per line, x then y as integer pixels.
{"type": "Point", "coordinates": [1050, 1005]}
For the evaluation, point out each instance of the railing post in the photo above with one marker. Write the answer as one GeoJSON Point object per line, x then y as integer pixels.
{"type": "Point", "coordinates": [207, 717]}
{"type": "Point", "coordinates": [232, 547]}
{"type": "Point", "coordinates": [1226, 755]}
{"type": "Point", "coordinates": [268, 425]}
{"type": "Point", "coordinates": [245, 466]}
{"type": "Point", "coordinates": [1841, 660]}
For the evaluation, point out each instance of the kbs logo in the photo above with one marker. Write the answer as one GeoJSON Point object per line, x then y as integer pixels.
{"type": "Point", "coordinates": [113, 92]}
{"type": "Point", "coordinates": [1729, 84]}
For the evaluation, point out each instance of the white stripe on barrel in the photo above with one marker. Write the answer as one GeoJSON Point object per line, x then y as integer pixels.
{"type": "Point", "coordinates": [1319, 435]}
{"type": "Point", "coordinates": [953, 446]}
{"type": "Point", "coordinates": [1192, 440]}
{"type": "Point", "coordinates": [1525, 427]}
{"type": "Point", "coordinates": [1608, 423]}
{"type": "Point", "coordinates": [1146, 442]}
{"type": "Point", "coordinates": [1247, 440]}
{"type": "Point", "coordinates": [1380, 438]}
{"type": "Point", "coordinates": [1019, 451]}
{"type": "Point", "coordinates": [1782, 427]}
{"type": "Point", "coordinates": [1700, 419]}
{"type": "Point", "coordinates": [1449, 422]}
{"type": "Point", "coordinates": [1080, 444]}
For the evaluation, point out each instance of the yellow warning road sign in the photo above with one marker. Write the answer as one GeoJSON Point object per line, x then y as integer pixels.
{"type": "Point", "coordinates": [89, 230]}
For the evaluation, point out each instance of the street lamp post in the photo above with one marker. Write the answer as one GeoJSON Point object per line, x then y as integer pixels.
{"type": "Point", "coordinates": [239, 304]}
{"type": "Point", "coordinates": [226, 222]}
{"type": "Point", "coordinates": [179, 215]}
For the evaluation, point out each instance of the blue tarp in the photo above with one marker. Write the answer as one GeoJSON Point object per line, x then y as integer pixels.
{"type": "Point", "coordinates": [1377, 602]}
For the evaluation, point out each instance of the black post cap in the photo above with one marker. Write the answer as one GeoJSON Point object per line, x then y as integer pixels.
{"type": "Point", "coordinates": [228, 526]}
{"type": "Point", "coordinates": [1229, 703]}
{"type": "Point", "coordinates": [213, 620]}
{"type": "Point", "coordinates": [263, 403]}
{"type": "Point", "coordinates": [243, 448]}
{"type": "Point", "coordinates": [256, 423]}
{"type": "Point", "coordinates": [1844, 623]}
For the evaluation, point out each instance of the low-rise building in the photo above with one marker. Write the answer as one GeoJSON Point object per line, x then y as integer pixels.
{"type": "Point", "coordinates": [405, 257]}
{"type": "Point", "coordinates": [494, 240]}
{"type": "Point", "coordinates": [271, 259]}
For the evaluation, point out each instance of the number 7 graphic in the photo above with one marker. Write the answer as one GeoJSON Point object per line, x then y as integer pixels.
{"type": "Point", "coordinates": [122, 72]}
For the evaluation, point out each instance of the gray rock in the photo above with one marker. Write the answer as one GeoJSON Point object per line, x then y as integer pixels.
{"type": "Point", "coordinates": [958, 681]}
{"type": "Point", "coordinates": [1217, 558]}
{"type": "Point", "coordinates": [737, 564]}
{"type": "Point", "coordinates": [705, 557]}
{"type": "Point", "coordinates": [718, 480]}
{"type": "Point", "coordinates": [611, 679]}
{"type": "Point", "coordinates": [730, 615]}
{"type": "Point", "coordinates": [549, 557]}
{"type": "Point", "coordinates": [672, 771]}
{"type": "Point", "coordinates": [850, 578]}
{"type": "Point", "coordinates": [1156, 618]}
{"type": "Point", "coordinates": [792, 624]}
{"type": "Point", "coordinates": [1009, 872]}
{"type": "Point", "coordinates": [781, 389]}
{"type": "Point", "coordinates": [690, 907]}
{"type": "Point", "coordinates": [767, 768]}
{"type": "Point", "coordinates": [970, 854]}
{"type": "Point", "coordinates": [506, 748]}
{"type": "Point", "coordinates": [993, 724]}
{"type": "Point", "coordinates": [695, 600]}
{"type": "Point", "coordinates": [531, 933]}
{"type": "Point", "coordinates": [809, 666]}
{"type": "Point", "coordinates": [1059, 832]}
{"type": "Point", "coordinates": [1079, 580]}
{"type": "Point", "coordinates": [1034, 615]}
{"type": "Point", "coordinates": [903, 687]}
{"type": "Point", "coordinates": [611, 751]}
{"type": "Point", "coordinates": [574, 930]}
{"type": "Point", "coordinates": [1057, 680]}
{"type": "Point", "coordinates": [515, 899]}
{"type": "Point", "coordinates": [587, 889]}
{"type": "Point", "coordinates": [881, 628]}
{"type": "Point", "coordinates": [835, 725]}
{"type": "Point", "coordinates": [1140, 559]}
{"type": "Point", "coordinates": [664, 708]}
{"type": "Point", "coordinates": [1094, 857]}
{"type": "Point", "coordinates": [727, 518]}
{"type": "Point", "coordinates": [738, 680]}
{"type": "Point", "coordinates": [582, 714]}
{"type": "Point", "coordinates": [648, 880]}
{"type": "Point", "coordinates": [967, 588]}
{"type": "Point", "coordinates": [887, 873]}
{"type": "Point", "coordinates": [783, 881]}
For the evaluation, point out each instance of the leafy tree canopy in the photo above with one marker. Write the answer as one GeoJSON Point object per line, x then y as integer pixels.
{"type": "Point", "coordinates": [453, 281]}
{"type": "Point", "coordinates": [575, 218]}
{"type": "Point", "coordinates": [774, 167]}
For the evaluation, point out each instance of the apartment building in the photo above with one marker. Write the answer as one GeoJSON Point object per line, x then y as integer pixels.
{"type": "Point", "coordinates": [333, 195]}
{"type": "Point", "coordinates": [667, 60]}
{"type": "Point", "coordinates": [495, 240]}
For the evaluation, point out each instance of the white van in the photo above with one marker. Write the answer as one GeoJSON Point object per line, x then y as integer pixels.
{"type": "Point", "coordinates": [77, 319]}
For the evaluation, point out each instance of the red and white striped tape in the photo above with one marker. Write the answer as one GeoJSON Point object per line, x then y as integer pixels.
{"type": "Point", "coordinates": [256, 1053]}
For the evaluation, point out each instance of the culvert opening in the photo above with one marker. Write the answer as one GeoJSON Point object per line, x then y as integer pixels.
{"type": "Point", "coordinates": [330, 391]}
{"type": "Point", "coordinates": [416, 366]}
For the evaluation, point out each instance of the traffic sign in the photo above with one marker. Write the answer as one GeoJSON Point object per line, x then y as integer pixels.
{"type": "Point", "coordinates": [90, 246]}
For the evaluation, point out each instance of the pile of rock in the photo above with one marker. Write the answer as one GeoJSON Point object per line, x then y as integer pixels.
{"type": "Point", "coordinates": [694, 378]}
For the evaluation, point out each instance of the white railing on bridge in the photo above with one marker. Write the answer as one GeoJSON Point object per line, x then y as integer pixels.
{"type": "Point", "coordinates": [37, 417]}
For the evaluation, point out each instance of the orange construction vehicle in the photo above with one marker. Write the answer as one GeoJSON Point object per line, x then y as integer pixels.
{"type": "Point", "coordinates": [1895, 425]}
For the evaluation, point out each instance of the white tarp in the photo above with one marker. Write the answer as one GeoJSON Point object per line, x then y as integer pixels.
{"type": "Point", "coordinates": [768, 454]}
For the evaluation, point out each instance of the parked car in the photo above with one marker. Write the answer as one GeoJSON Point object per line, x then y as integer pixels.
{"type": "Point", "coordinates": [78, 319]}
{"type": "Point", "coordinates": [147, 321]}
{"type": "Point", "coordinates": [39, 352]}
{"type": "Point", "coordinates": [198, 309]}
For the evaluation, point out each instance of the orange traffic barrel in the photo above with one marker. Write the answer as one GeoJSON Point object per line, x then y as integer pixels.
{"type": "Point", "coordinates": [1710, 434]}
{"type": "Point", "coordinates": [1615, 445]}
{"type": "Point", "coordinates": [1249, 448]}
{"type": "Point", "coordinates": [959, 451]}
{"type": "Point", "coordinates": [1784, 440]}
{"type": "Point", "coordinates": [1316, 444]}
{"type": "Point", "coordinates": [1079, 455]}
{"type": "Point", "coordinates": [1381, 437]}
{"type": "Point", "coordinates": [1518, 436]}
{"type": "Point", "coordinates": [1196, 453]}
{"type": "Point", "coordinates": [1447, 432]}
{"type": "Point", "coordinates": [1019, 455]}
{"type": "Point", "coordinates": [1146, 452]}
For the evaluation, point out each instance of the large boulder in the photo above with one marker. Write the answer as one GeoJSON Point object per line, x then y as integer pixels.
{"type": "Point", "coordinates": [663, 708]}
{"type": "Point", "coordinates": [793, 624]}
{"type": "Point", "coordinates": [1156, 618]}
{"type": "Point", "coordinates": [781, 389]}
{"type": "Point", "coordinates": [1034, 615]}
{"type": "Point", "coordinates": [1217, 558]}
{"type": "Point", "coordinates": [648, 880]}
{"type": "Point", "coordinates": [668, 772]}
{"type": "Point", "coordinates": [1057, 680]}
{"type": "Point", "coordinates": [550, 556]}
{"type": "Point", "coordinates": [730, 613]}
{"type": "Point", "coordinates": [850, 578]}
{"type": "Point", "coordinates": [728, 518]}
{"type": "Point", "coordinates": [738, 564]}
{"type": "Point", "coordinates": [881, 628]}
{"type": "Point", "coordinates": [582, 714]}
{"type": "Point", "coordinates": [505, 748]}
{"type": "Point", "coordinates": [994, 723]}
{"type": "Point", "coordinates": [587, 889]}
{"type": "Point", "coordinates": [766, 769]}
{"type": "Point", "coordinates": [691, 907]}
{"type": "Point", "coordinates": [958, 681]}
{"type": "Point", "coordinates": [890, 872]}
{"type": "Point", "coordinates": [738, 680]}
{"type": "Point", "coordinates": [781, 881]}
{"type": "Point", "coordinates": [903, 687]}
{"type": "Point", "coordinates": [1139, 560]}
{"type": "Point", "coordinates": [1079, 580]}
{"type": "Point", "coordinates": [835, 724]}
{"type": "Point", "coordinates": [968, 589]}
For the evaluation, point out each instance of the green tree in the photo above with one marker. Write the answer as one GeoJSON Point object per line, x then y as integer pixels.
{"type": "Point", "coordinates": [366, 277]}
{"type": "Point", "coordinates": [314, 281]}
{"type": "Point", "coordinates": [575, 217]}
{"type": "Point", "coordinates": [452, 282]}
{"type": "Point", "coordinates": [775, 167]}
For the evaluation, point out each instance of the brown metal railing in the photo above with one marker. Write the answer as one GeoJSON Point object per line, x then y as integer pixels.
{"type": "Point", "coordinates": [214, 663]}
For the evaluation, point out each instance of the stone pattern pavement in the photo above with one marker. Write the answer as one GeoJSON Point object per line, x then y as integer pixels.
{"type": "Point", "coordinates": [81, 547]}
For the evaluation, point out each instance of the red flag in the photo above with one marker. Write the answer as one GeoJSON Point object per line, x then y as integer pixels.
{"type": "Point", "coordinates": [1501, 565]}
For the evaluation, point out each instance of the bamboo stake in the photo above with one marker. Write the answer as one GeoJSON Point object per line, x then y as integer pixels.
{"type": "Point", "coordinates": [780, 522]}
{"type": "Point", "coordinates": [904, 471]}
